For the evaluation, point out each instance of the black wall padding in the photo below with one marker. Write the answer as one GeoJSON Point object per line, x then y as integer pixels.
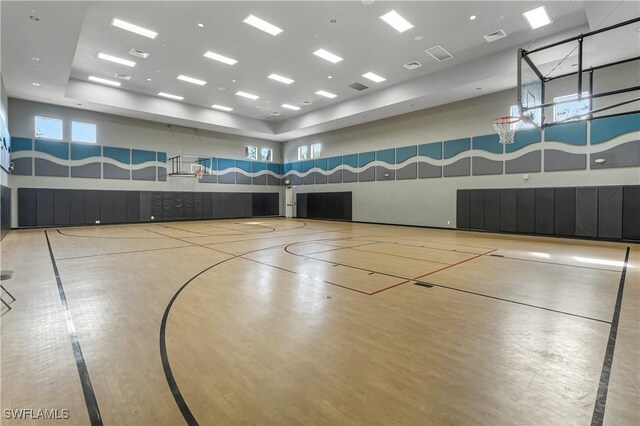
{"type": "Point", "coordinates": [106, 207]}
{"type": "Point", "coordinates": [220, 205]}
{"type": "Point", "coordinates": [492, 209]}
{"type": "Point", "coordinates": [27, 207]}
{"type": "Point", "coordinates": [77, 207]}
{"type": "Point", "coordinates": [544, 223]}
{"type": "Point", "coordinates": [329, 205]}
{"type": "Point", "coordinates": [61, 204]}
{"type": "Point", "coordinates": [156, 206]}
{"type": "Point", "coordinates": [301, 205]}
{"type": "Point", "coordinates": [526, 211]}
{"type": "Point", "coordinates": [119, 206]}
{"type": "Point", "coordinates": [610, 212]}
{"type": "Point", "coordinates": [508, 210]}
{"type": "Point", "coordinates": [462, 209]}
{"type": "Point", "coordinates": [145, 206]}
{"type": "Point", "coordinates": [45, 207]}
{"type": "Point", "coordinates": [476, 209]}
{"type": "Point", "coordinates": [197, 205]}
{"type": "Point", "coordinates": [565, 211]}
{"type": "Point", "coordinates": [178, 205]}
{"type": "Point", "coordinates": [587, 212]}
{"type": "Point", "coordinates": [207, 206]}
{"type": "Point", "coordinates": [133, 206]}
{"type": "Point", "coordinates": [187, 209]}
{"type": "Point", "coordinates": [631, 213]}
{"type": "Point", "coordinates": [92, 207]}
{"type": "Point", "coordinates": [607, 212]}
{"type": "Point", "coordinates": [264, 204]}
{"type": "Point", "coordinates": [168, 206]}
{"type": "Point", "coordinates": [5, 213]}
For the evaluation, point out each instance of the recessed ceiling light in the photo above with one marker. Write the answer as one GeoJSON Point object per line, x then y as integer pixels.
{"type": "Point", "coordinates": [396, 21]}
{"type": "Point", "coordinates": [191, 80]}
{"type": "Point", "coordinates": [234, 80]}
{"type": "Point", "coordinates": [133, 28]}
{"type": "Point", "coordinates": [222, 107]}
{"type": "Point", "coordinates": [263, 25]}
{"type": "Point", "coordinates": [35, 84]}
{"type": "Point", "coordinates": [219, 58]}
{"type": "Point", "coordinates": [287, 106]}
{"type": "Point", "coordinates": [328, 56]}
{"type": "Point", "coordinates": [248, 95]}
{"type": "Point", "coordinates": [326, 94]}
{"type": "Point", "coordinates": [280, 78]}
{"type": "Point", "coordinates": [115, 59]}
{"type": "Point", "coordinates": [104, 81]}
{"type": "Point", "coordinates": [472, 17]}
{"type": "Point", "coordinates": [148, 79]}
{"type": "Point", "coordinates": [200, 24]}
{"type": "Point", "coordinates": [138, 53]}
{"type": "Point", "coordinates": [35, 58]}
{"type": "Point", "coordinates": [374, 77]}
{"type": "Point", "coordinates": [537, 17]}
{"type": "Point", "coordinates": [170, 96]}
{"type": "Point", "coordinates": [330, 77]}
{"type": "Point", "coordinates": [222, 88]}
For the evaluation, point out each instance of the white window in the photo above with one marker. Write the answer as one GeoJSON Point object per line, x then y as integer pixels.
{"type": "Point", "coordinates": [48, 128]}
{"type": "Point", "coordinates": [266, 154]}
{"type": "Point", "coordinates": [251, 152]}
{"type": "Point", "coordinates": [316, 149]}
{"type": "Point", "coordinates": [303, 152]}
{"type": "Point", "coordinates": [571, 110]}
{"type": "Point", "coordinates": [83, 132]}
{"type": "Point", "coordinates": [514, 111]}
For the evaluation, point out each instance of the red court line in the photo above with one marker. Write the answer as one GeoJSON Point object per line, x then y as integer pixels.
{"type": "Point", "coordinates": [432, 272]}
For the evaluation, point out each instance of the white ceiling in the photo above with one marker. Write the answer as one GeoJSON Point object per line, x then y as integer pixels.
{"type": "Point", "coordinates": [69, 35]}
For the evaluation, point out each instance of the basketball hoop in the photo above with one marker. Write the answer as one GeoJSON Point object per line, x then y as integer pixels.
{"type": "Point", "coordinates": [199, 173]}
{"type": "Point", "coordinates": [505, 127]}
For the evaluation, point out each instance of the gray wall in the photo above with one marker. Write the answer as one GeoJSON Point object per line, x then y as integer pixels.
{"type": "Point", "coordinates": [117, 131]}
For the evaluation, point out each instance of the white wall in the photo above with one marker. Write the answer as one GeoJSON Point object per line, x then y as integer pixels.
{"type": "Point", "coordinates": [133, 133]}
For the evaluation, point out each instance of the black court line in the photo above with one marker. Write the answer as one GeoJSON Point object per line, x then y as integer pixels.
{"type": "Point", "coordinates": [124, 252]}
{"type": "Point", "coordinates": [603, 387]}
{"type": "Point", "coordinates": [108, 238]}
{"type": "Point", "coordinates": [87, 389]}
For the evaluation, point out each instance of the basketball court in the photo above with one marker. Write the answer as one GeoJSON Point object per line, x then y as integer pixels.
{"type": "Point", "coordinates": [473, 259]}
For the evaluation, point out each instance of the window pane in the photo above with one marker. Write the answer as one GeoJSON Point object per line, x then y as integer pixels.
{"type": "Point", "coordinates": [514, 111]}
{"type": "Point", "coordinates": [83, 132]}
{"type": "Point", "coordinates": [571, 109]}
{"type": "Point", "coordinates": [303, 153]}
{"type": "Point", "coordinates": [251, 152]}
{"type": "Point", "coordinates": [48, 128]}
{"type": "Point", "coordinates": [266, 154]}
{"type": "Point", "coordinates": [315, 150]}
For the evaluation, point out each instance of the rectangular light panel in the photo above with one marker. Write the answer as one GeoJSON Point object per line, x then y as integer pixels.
{"type": "Point", "coordinates": [104, 81]}
{"type": "Point", "coordinates": [327, 56]}
{"type": "Point", "coordinates": [280, 78]}
{"type": "Point", "coordinates": [219, 58]}
{"type": "Point", "coordinates": [292, 107]}
{"type": "Point", "coordinates": [248, 95]}
{"type": "Point", "coordinates": [191, 80]}
{"type": "Point", "coordinates": [133, 28]}
{"type": "Point", "coordinates": [262, 25]}
{"type": "Point", "coordinates": [374, 77]}
{"type": "Point", "coordinates": [396, 21]}
{"type": "Point", "coordinates": [115, 59]}
{"type": "Point", "coordinates": [537, 17]}
{"type": "Point", "coordinates": [170, 96]}
{"type": "Point", "coordinates": [326, 94]}
{"type": "Point", "coordinates": [222, 107]}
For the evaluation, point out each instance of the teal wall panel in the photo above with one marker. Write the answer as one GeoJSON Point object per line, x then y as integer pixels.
{"type": "Point", "coordinates": [406, 152]}
{"type": "Point", "coordinates": [139, 156]}
{"type": "Point", "coordinates": [365, 158]}
{"type": "Point", "coordinates": [603, 129]}
{"type": "Point", "coordinates": [569, 133]}
{"type": "Point", "coordinates": [57, 149]}
{"type": "Point", "coordinates": [122, 155]}
{"type": "Point", "coordinates": [21, 144]}
{"type": "Point", "coordinates": [162, 157]}
{"type": "Point", "coordinates": [333, 162]}
{"type": "Point", "coordinates": [386, 155]}
{"type": "Point", "coordinates": [320, 163]}
{"type": "Point", "coordinates": [524, 138]}
{"type": "Point", "coordinates": [456, 146]}
{"type": "Point", "coordinates": [431, 150]}
{"type": "Point", "coordinates": [257, 166]}
{"type": "Point", "coordinates": [489, 143]}
{"type": "Point", "coordinates": [350, 160]}
{"type": "Point", "coordinates": [80, 151]}
{"type": "Point", "coordinates": [244, 165]}
{"type": "Point", "coordinates": [225, 163]}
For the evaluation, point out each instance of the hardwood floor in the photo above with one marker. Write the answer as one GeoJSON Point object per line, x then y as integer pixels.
{"type": "Point", "coordinates": [275, 321]}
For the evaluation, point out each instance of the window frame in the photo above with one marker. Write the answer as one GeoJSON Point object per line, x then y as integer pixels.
{"type": "Point", "coordinates": [35, 128]}
{"type": "Point", "coordinates": [95, 132]}
{"type": "Point", "coordinates": [319, 152]}
{"type": "Point", "coordinates": [577, 101]}
{"type": "Point", "coordinates": [306, 153]}
{"type": "Point", "coordinates": [269, 157]}
{"type": "Point", "coordinates": [246, 152]}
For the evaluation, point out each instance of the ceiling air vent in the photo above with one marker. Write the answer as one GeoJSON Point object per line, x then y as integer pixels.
{"type": "Point", "coordinates": [306, 103]}
{"type": "Point", "coordinates": [275, 114]}
{"type": "Point", "coordinates": [138, 53]}
{"type": "Point", "coordinates": [122, 76]}
{"type": "Point", "coordinates": [359, 87]}
{"type": "Point", "coordinates": [496, 35]}
{"type": "Point", "coordinates": [439, 54]}
{"type": "Point", "coordinates": [412, 65]}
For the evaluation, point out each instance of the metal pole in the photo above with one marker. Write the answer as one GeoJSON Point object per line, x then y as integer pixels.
{"type": "Point", "coordinates": [580, 68]}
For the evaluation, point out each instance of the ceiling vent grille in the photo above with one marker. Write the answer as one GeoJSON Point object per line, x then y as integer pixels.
{"type": "Point", "coordinates": [306, 103]}
{"type": "Point", "coordinates": [412, 65]}
{"type": "Point", "coordinates": [439, 53]}
{"type": "Point", "coordinates": [359, 87]}
{"type": "Point", "coordinates": [138, 53]}
{"type": "Point", "coordinates": [122, 76]}
{"type": "Point", "coordinates": [496, 35]}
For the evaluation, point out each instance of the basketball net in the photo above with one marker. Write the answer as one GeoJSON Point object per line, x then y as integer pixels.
{"type": "Point", "coordinates": [506, 128]}
{"type": "Point", "coordinates": [199, 173]}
